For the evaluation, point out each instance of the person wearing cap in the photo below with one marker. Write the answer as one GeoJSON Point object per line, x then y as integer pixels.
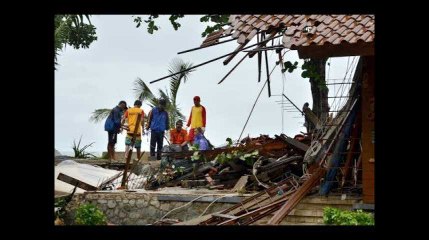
{"type": "Point", "coordinates": [132, 115]}
{"type": "Point", "coordinates": [197, 118]}
{"type": "Point", "coordinates": [158, 122]}
{"type": "Point", "coordinates": [115, 116]}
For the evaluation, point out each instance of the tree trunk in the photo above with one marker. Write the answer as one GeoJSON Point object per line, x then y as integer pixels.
{"type": "Point", "coordinates": [319, 90]}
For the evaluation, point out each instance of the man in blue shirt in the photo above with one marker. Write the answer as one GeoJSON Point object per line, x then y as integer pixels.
{"type": "Point", "coordinates": [115, 116]}
{"type": "Point", "coordinates": [158, 123]}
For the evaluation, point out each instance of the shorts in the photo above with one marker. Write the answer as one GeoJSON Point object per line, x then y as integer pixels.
{"type": "Point", "coordinates": [113, 137]}
{"type": "Point", "coordinates": [137, 143]}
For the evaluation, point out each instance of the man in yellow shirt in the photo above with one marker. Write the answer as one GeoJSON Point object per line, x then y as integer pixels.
{"type": "Point", "coordinates": [197, 119]}
{"type": "Point", "coordinates": [132, 114]}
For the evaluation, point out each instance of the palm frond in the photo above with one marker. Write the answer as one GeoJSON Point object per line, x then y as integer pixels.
{"type": "Point", "coordinates": [99, 115]}
{"type": "Point", "coordinates": [142, 91]}
{"type": "Point", "coordinates": [175, 115]}
{"type": "Point", "coordinates": [153, 102]}
{"type": "Point", "coordinates": [164, 95]}
{"type": "Point", "coordinates": [78, 19]}
{"type": "Point", "coordinates": [86, 16]}
{"type": "Point", "coordinates": [62, 29]}
{"type": "Point", "coordinates": [174, 88]}
{"type": "Point", "coordinates": [179, 114]}
{"type": "Point", "coordinates": [178, 65]}
{"type": "Point", "coordinates": [80, 152]}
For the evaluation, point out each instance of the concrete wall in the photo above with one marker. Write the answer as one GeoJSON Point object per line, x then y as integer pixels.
{"type": "Point", "coordinates": [125, 208]}
{"type": "Point", "coordinates": [121, 155]}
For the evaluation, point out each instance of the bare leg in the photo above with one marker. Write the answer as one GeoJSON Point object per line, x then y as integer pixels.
{"type": "Point", "coordinates": [138, 153]}
{"type": "Point", "coordinates": [127, 149]}
{"type": "Point", "coordinates": [113, 153]}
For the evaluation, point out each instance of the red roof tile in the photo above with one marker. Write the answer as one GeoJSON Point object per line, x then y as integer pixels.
{"type": "Point", "coordinates": [323, 29]}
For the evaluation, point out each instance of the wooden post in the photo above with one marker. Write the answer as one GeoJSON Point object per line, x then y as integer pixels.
{"type": "Point", "coordinates": [130, 151]}
{"type": "Point", "coordinates": [76, 182]}
{"type": "Point", "coordinates": [368, 157]}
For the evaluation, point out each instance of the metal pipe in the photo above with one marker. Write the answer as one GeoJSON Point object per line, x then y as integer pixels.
{"type": "Point", "coordinates": [259, 61]}
{"type": "Point", "coordinates": [264, 49]}
{"type": "Point", "coordinates": [247, 54]}
{"type": "Point", "coordinates": [338, 83]}
{"type": "Point", "coordinates": [215, 59]}
{"type": "Point", "coordinates": [197, 48]}
{"type": "Point", "coordinates": [268, 74]}
{"type": "Point", "coordinates": [292, 103]}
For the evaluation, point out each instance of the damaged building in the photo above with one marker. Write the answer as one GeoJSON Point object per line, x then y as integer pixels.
{"type": "Point", "coordinates": [257, 180]}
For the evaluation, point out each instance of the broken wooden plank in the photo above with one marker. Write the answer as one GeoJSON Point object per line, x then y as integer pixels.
{"type": "Point", "coordinates": [193, 183]}
{"type": "Point", "coordinates": [109, 180]}
{"type": "Point", "coordinates": [209, 199]}
{"type": "Point", "coordinates": [253, 214]}
{"type": "Point", "coordinates": [195, 221]}
{"type": "Point", "coordinates": [223, 216]}
{"type": "Point", "coordinates": [219, 187]}
{"type": "Point", "coordinates": [73, 181]}
{"type": "Point", "coordinates": [263, 198]}
{"type": "Point", "coordinates": [236, 51]}
{"type": "Point", "coordinates": [300, 193]}
{"type": "Point", "coordinates": [241, 184]}
{"type": "Point", "coordinates": [295, 143]}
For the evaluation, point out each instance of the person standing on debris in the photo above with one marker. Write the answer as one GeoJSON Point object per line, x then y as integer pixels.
{"type": "Point", "coordinates": [197, 118]}
{"type": "Point", "coordinates": [200, 140]}
{"type": "Point", "coordinates": [179, 136]}
{"type": "Point", "coordinates": [113, 127]}
{"type": "Point", "coordinates": [131, 115]}
{"type": "Point", "coordinates": [308, 124]}
{"type": "Point", "coordinates": [158, 123]}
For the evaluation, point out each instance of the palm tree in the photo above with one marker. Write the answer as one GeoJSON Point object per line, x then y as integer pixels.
{"type": "Point", "coordinates": [143, 93]}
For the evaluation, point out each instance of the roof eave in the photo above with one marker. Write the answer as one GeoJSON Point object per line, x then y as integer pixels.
{"type": "Point", "coordinates": [337, 50]}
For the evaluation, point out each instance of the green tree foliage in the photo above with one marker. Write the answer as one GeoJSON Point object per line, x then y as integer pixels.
{"type": "Point", "coordinates": [334, 216]}
{"type": "Point", "coordinates": [71, 30]}
{"type": "Point", "coordinates": [89, 214]}
{"type": "Point", "coordinates": [219, 21]}
{"type": "Point", "coordinates": [248, 158]}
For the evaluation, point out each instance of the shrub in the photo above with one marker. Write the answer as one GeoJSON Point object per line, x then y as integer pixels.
{"type": "Point", "coordinates": [79, 152]}
{"type": "Point", "coordinates": [89, 214]}
{"type": "Point", "coordinates": [105, 156]}
{"type": "Point", "coordinates": [334, 216]}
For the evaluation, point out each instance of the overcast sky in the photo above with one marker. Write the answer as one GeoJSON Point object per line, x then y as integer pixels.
{"type": "Point", "coordinates": [101, 76]}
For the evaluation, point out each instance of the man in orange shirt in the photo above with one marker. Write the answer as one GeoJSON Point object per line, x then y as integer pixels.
{"type": "Point", "coordinates": [179, 136]}
{"type": "Point", "coordinates": [197, 119]}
